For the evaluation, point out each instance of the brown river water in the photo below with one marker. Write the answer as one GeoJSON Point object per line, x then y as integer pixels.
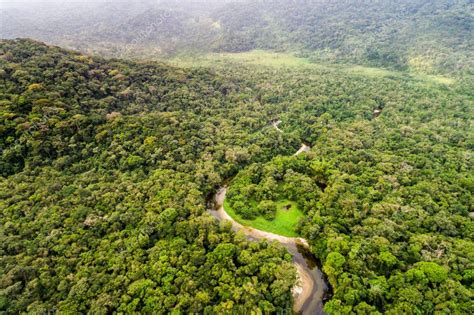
{"type": "Point", "coordinates": [312, 288]}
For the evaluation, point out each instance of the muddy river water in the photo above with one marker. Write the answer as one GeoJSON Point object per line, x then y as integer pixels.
{"type": "Point", "coordinates": [311, 289]}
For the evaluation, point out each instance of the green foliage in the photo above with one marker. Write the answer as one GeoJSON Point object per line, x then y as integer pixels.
{"type": "Point", "coordinates": [105, 169]}
{"type": "Point", "coordinates": [267, 208]}
{"type": "Point", "coordinates": [285, 222]}
{"type": "Point", "coordinates": [416, 35]}
{"type": "Point", "coordinates": [432, 271]}
{"type": "Point", "coordinates": [423, 36]}
{"type": "Point", "coordinates": [333, 265]}
{"type": "Point", "coordinates": [399, 34]}
{"type": "Point", "coordinates": [277, 191]}
{"type": "Point", "coordinates": [393, 190]}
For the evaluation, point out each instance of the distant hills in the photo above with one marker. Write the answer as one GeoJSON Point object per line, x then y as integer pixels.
{"type": "Point", "coordinates": [422, 35]}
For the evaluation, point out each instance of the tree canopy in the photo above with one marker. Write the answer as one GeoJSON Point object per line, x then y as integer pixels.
{"type": "Point", "coordinates": [106, 166]}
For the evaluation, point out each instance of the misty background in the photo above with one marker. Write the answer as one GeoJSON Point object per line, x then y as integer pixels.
{"type": "Point", "coordinates": [431, 36]}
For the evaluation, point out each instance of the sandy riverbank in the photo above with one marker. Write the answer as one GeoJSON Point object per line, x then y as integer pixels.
{"type": "Point", "coordinates": [308, 292]}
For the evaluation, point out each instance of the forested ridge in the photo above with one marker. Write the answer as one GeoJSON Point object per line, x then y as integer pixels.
{"type": "Point", "coordinates": [421, 35]}
{"type": "Point", "coordinates": [106, 165]}
{"type": "Point", "coordinates": [417, 35]}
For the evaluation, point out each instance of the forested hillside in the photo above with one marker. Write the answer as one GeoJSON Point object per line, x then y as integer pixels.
{"type": "Point", "coordinates": [387, 189]}
{"type": "Point", "coordinates": [418, 35]}
{"type": "Point", "coordinates": [106, 166]}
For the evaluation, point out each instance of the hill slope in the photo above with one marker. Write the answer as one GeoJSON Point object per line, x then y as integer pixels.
{"type": "Point", "coordinates": [105, 169]}
{"type": "Point", "coordinates": [400, 34]}
{"type": "Point", "coordinates": [106, 166]}
{"type": "Point", "coordinates": [422, 35]}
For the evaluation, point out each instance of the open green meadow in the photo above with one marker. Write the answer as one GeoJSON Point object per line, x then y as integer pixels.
{"type": "Point", "coordinates": [285, 221]}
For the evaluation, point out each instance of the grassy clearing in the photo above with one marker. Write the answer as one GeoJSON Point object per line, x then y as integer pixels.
{"type": "Point", "coordinates": [265, 58]}
{"type": "Point", "coordinates": [368, 71]}
{"type": "Point", "coordinates": [439, 79]}
{"type": "Point", "coordinates": [254, 57]}
{"type": "Point", "coordinates": [284, 223]}
{"type": "Point", "coordinates": [380, 73]}
{"type": "Point", "coordinates": [287, 60]}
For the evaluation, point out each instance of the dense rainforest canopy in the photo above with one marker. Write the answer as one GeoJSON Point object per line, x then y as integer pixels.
{"type": "Point", "coordinates": [106, 165]}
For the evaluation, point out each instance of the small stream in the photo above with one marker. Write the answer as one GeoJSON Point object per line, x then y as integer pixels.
{"type": "Point", "coordinates": [312, 290]}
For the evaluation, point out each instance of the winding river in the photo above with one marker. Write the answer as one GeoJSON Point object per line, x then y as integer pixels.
{"type": "Point", "coordinates": [310, 292]}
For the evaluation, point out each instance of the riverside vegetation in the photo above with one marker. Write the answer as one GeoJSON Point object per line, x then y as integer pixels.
{"type": "Point", "coordinates": [106, 164]}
